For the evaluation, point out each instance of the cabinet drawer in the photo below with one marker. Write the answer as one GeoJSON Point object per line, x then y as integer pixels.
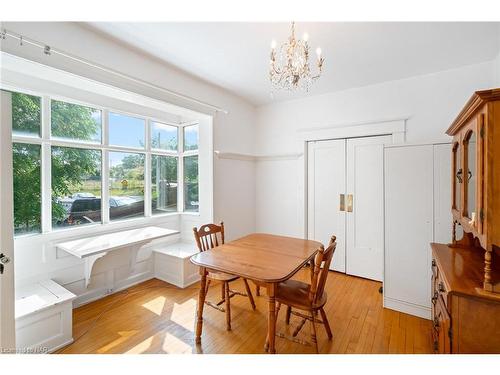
{"type": "Point", "coordinates": [438, 286]}
{"type": "Point", "coordinates": [441, 326]}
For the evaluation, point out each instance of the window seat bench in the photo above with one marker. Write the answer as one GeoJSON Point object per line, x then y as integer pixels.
{"type": "Point", "coordinates": [43, 312]}
{"type": "Point", "coordinates": [172, 264]}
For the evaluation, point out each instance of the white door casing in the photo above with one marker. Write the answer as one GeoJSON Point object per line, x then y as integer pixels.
{"type": "Point", "coordinates": [7, 320]}
{"type": "Point", "coordinates": [326, 181]}
{"type": "Point", "coordinates": [365, 223]}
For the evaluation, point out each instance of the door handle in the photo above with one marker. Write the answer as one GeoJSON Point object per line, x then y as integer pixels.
{"type": "Point", "coordinates": [3, 261]}
{"type": "Point", "coordinates": [349, 203]}
{"type": "Point", "coordinates": [342, 202]}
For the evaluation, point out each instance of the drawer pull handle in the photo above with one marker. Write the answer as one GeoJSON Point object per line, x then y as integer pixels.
{"type": "Point", "coordinates": [434, 298]}
{"type": "Point", "coordinates": [441, 287]}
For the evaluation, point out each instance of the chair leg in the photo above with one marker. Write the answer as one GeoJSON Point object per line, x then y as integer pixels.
{"type": "Point", "coordinates": [222, 290]}
{"type": "Point", "coordinates": [288, 313]}
{"type": "Point", "coordinates": [228, 306]}
{"type": "Point", "coordinates": [208, 286]}
{"type": "Point", "coordinates": [249, 293]}
{"type": "Point", "coordinates": [313, 332]}
{"type": "Point", "coordinates": [278, 307]}
{"type": "Point", "coordinates": [326, 324]}
{"type": "Point", "coordinates": [257, 290]}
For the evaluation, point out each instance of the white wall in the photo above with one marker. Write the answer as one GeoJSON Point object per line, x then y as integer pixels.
{"type": "Point", "coordinates": [234, 187]}
{"type": "Point", "coordinates": [496, 63]}
{"type": "Point", "coordinates": [430, 103]}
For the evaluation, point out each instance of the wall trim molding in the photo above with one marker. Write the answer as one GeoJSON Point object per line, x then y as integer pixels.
{"type": "Point", "coordinates": [394, 127]}
{"type": "Point", "coordinates": [257, 158]}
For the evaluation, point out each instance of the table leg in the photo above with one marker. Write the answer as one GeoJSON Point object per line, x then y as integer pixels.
{"type": "Point", "coordinates": [201, 303]}
{"type": "Point", "coordinates": [271, 319]}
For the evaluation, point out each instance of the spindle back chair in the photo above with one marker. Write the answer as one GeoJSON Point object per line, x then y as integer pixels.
{"type": "Point", "coordinates": [208, 237]}
{"type": "Point", "coordinates": [310, 298]}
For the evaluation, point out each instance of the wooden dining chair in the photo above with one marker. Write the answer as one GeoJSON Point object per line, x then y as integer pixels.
{"type": "Point", "coordinates": [310, 298]}
{"type": "Point", "coordinates": [208, 237]}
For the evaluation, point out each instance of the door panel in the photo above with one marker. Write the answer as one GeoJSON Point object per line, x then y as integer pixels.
{"type": "Point", "coordinates": [408, 223]}
{"type": "Point", "coordinates": [326, 181]}
{"type": "Point", "coordinates": [365, 222]}
{"type": "Point", "coordinates": [442, 194]}
{"type": "Point", "coordinates": [7, 325]}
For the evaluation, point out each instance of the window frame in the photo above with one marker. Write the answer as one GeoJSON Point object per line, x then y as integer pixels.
{"type": "Point", "coordinates": [183, 154]}
{"type": "Point", "coordinates": [46, 142]}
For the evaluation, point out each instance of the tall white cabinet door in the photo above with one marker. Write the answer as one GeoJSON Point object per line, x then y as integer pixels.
{"type": "Point", "coordinates": [408, 228]}
{"type": "Point", "coordinates": [365, 217]}
{"type": "Point", "coordinates": [326, 182]}
{"type": "Point", "coordinates": [442, 193]}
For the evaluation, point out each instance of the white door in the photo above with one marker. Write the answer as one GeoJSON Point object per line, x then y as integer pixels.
{"type": "Point", "coordinates": [409, 227]}
{"type": "Point", "coordinates": [365, 207]}
{"type": "Point", "coordinates": [442, 194]}
{"type": "Point", "coordinates": [7, 322]}
{"type": "Point", "coordinates": [326, 183]}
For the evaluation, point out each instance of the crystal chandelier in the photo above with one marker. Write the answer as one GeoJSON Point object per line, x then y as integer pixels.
{"type": "Point", "coordinates": [289, 67]}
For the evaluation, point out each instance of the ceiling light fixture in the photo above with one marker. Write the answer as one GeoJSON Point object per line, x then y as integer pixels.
{"type": "Point", "coordinates": [289, 66]}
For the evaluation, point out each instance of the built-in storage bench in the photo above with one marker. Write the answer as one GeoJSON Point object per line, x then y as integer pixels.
{"type": "Point", "coordinates": [43, 317]}
{"type": "Point", "coordinates": [172, 264]}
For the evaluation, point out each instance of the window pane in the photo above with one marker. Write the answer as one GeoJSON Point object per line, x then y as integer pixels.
{"type": "Point", "coordinates": [163, 136]}
{"type": "Point", "coordinates": [163, 184]}
{"type": "Point", "coordinates": [75, 122]}
{"type": "Point", "coordinates": [191, 201]}
{"type": "Point", "coordinates": [27, 188]}
{"type": "Point", "coordinates": [26, 114]}
{"type": "Point", "coordinates": [191, 137]}
{"type": "Point", "coordinates": [76, 186]}
{"type": "Point", "coordinates": [126, 131]}
{"type": "Point", "coordinates": [126, 185]}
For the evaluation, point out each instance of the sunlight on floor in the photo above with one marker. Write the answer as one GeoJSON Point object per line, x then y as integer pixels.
{"type": "Point", "coordinates": [142, 347]}
{"type": "Point", "coordinates": [124, 336]}
{"type": "Point", "coordinates": [184, 314]}
{"type": "Point", "coordinates": [172, 344]}
{"type": "Point", "coordinates": [156, 305]}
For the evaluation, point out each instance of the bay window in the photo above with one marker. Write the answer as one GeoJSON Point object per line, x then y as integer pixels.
{"type": "Point", "coordinates": [77, 164]}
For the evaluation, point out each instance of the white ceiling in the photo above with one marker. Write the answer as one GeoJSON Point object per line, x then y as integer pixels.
{"type": "Point", "coordinates": [236, 55]}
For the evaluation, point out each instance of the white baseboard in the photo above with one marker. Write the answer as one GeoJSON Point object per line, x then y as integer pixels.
{"type": "Point", "coordinates": [407, 308]}
{"type": "Point", "coordinates": [66, 343]}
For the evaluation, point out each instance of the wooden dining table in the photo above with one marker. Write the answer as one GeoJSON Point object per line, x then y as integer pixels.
{"type": "Point", "coordinates": [264, 258]}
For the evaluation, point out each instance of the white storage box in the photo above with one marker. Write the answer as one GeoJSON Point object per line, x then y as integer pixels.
{"type": "Point", "coordinates": [173, 266]}
{"type": "Point", "coordinates": [44, 317]}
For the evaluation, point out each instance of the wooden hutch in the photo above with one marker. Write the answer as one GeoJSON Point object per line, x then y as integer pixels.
{"type": "Point", "coordinates": [466, 272]}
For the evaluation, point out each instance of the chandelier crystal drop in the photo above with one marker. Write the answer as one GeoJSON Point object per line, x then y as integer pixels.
{"type": "Point", "coordinates": [289, 66]}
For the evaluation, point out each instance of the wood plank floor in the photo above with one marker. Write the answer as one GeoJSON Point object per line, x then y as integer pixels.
{"type": "Point", "coordinates": [156, 317]}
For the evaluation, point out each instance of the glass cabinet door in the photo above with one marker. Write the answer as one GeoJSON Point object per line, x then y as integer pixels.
{"type": "Point", "coordinates": [457, 176]}
{"type": "Point", "coordinates": [470, 177]}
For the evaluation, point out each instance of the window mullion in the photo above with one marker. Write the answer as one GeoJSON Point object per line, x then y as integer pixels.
{"type": "Point", "coordinates": [180, 170]}
{"type": "Point", "coordinates": [105, 169]}
{"type": "Point", "coordinates": [46, 167]}
{"type": "Point", "coordinates": [147, 172]}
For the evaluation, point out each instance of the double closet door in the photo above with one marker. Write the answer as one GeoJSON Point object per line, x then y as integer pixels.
{"type": "Point", "coordinates": [345, 188]}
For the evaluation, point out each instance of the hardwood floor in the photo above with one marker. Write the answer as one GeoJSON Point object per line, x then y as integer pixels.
{"type": "Point", "coordinates": [156, 317]}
